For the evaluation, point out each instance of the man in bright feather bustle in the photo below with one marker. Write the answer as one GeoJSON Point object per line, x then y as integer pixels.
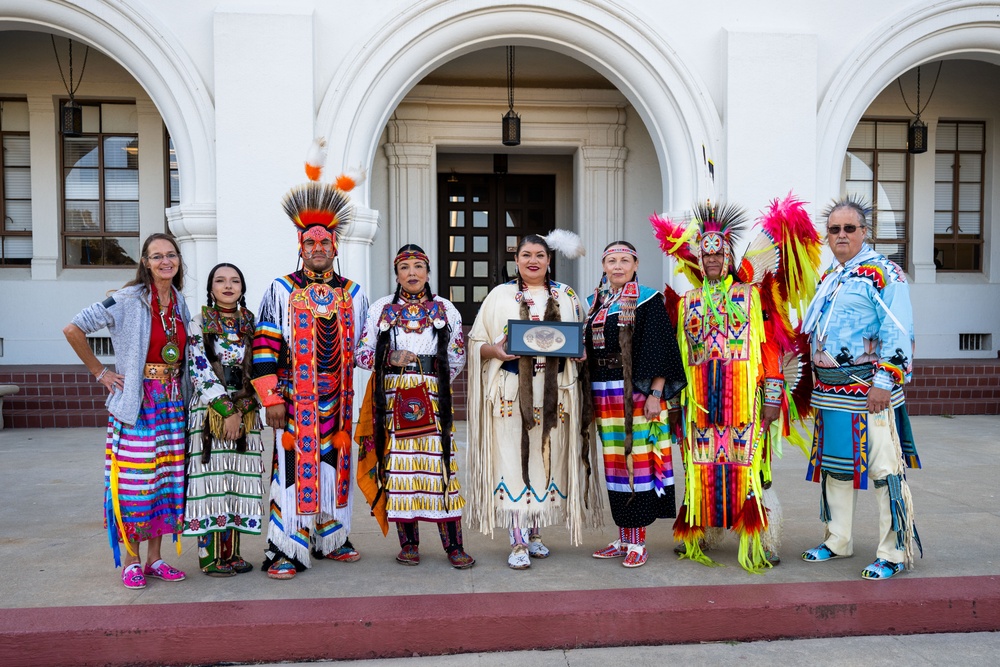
{"type": "Point", "coordinates": [309, 321]}
{"type": "Point", "coordinates": [734, 333]}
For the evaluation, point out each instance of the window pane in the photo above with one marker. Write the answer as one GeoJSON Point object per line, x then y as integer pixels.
{"type": "Point", "coordinates": [943, 166]}
{"type": "Point", "coordinates": [16, 152]}
{"type": "Point", "coordinates": [894, 251]}
{"type": "Point", "coordinates": [480, 244]}
{"type": "Point", "coordinates": [480, 269]}
{"type": "Point", "coordinates": [970, 137]}
{"type": "Point", "coordinates": [969, 196]}
{"type": "Point", "coordinates": [122, 251]}
{"type": "Point", "coordinates": [864, 135]}
{"type": "Point", "coordinates": [513, 219]}
{"type": "Point", "coordinates": [891, 196]}
{"type": "Point", "coordinates": [121, 152]}
{"type": "Point", "coordinates": [858, 166]}
{"type": "Point", "coordinates": [511, 245]}
{"type": "Point", "coordinates": [860, 189]}
{"type": "Point", "coordinates": [891, 135]}
{"type": "Point", "coordinates": [970, 167]}
{"type": "Point", "coordinates": [456, 269]}
{"type": "Point", "coordinates": [91, 118]}
{"type": "Point", "coordinates": [456, 218]}
{"type": "Point", "coordinates": [511, 268]}
{"type": "Point", "coordinates": [480, 219]}
{"type": "Point", "coordinates": [457, 294]}
{"type": "Point", "coordinates": [536, 195]}
{"type": "Point", "coordinates": [17, 248]}
{"type": "Point", "coordinates": [942, 196]}
{"type": "Point", "coordinates": [15, 117]}
{"type": "Point", "coordinates": [890, 225]}
{"type": "Point", "coordinates": [535, 217]}
{"type": "Point", "coordinates": [82, 216]}
{"type": "Point", "coordinates": [80, 152]}
{"type": "Point", "coordinates": [892, 166]}
{"type": "Point", "coordinates": [457, 243]}
{"type": "Point", "coordinates": [81, 184]}
{"type": "Point", "coordinates": [512, 195]}
{"type": "Point", "coordinates": [172, 159]}
{"type": "Point", "coordinates": [121, 217]}
{"type": "Point", "coordinates": [456, 194]}
{"type": "Point", "coordinates": [83, 252]}
{"type": "Point", "coordinates": [175, 188]}
{"type": "Point", "coordinates": [480, 194]}
{"type": "Point", "coordinates": [969, 224]}
{"type": "Point", "coordinates": [17, 183]}
{"type": "Point", "coordinates": [946, 136]}
{"type": "Point", "coordinates": [121, 184]}
{"type": "Point", "coordinates": [942, 222]}
{"type": "Point", "coordinates": [479, 293]}
{"type": "Point", "coordinates": [18, 216]}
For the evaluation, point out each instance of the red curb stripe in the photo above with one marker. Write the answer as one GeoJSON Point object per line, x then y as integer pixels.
{"type": "Point", "coordinates": [402, 626]}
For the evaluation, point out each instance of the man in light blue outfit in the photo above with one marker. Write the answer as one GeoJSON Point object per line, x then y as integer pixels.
{"type": "Point", "coordinates": [860, 328]}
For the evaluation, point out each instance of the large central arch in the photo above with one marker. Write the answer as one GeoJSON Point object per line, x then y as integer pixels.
{"type": "Point", "coordinates": [672, 103]}
{"type": "Point", "coordinates": [902, 42]}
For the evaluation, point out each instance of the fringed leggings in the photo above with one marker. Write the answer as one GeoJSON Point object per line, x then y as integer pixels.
{"type": "Point", "coordinates": [450, 532]}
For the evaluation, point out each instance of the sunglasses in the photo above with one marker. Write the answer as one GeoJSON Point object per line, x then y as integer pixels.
{"type": "Point", "coordinates": [833, 230]}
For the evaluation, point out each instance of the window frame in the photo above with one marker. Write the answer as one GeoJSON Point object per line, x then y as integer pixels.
{"type": "Point", "coordinates": [64, 235]}
{"type": "Point", "coordinates": [4, 234]}
{"type": "Point", "coordinates": [907, 181]}
{"type": "Point", "coordinates": [956, 182]}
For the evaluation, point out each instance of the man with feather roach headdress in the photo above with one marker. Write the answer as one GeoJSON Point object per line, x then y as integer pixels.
{"type": "Point", "coordinates": [736, 340]}
{"type": "Point", "coordinates": [303, 363]}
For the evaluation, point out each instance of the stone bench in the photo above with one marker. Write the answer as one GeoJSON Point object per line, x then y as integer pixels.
{"type": "Point", "coordinates": [6, 390]}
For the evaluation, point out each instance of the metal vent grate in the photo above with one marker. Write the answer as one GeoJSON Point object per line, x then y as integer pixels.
{"type": "Point", "coordinates": [101, 346]}
{"type": "Point", "coordinates": [974, 341]}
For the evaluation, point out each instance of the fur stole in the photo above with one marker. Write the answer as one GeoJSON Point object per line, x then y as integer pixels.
{"type": "Point", "coordinates": [550, 394]}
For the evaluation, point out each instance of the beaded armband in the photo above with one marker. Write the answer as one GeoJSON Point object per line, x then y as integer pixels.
{"type": "Point", "coordinates": [224, 406]}
{"type": "Point", "coordinates": [773, 388]}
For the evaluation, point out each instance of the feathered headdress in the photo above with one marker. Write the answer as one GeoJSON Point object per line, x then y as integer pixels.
{"type": "Point", "coordinates": [318, 203]}
{"type": "Point", "coordinates": [713, 229]}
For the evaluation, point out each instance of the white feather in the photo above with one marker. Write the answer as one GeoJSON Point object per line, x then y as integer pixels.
{"type": "Point", "coordinates": [566, 243]}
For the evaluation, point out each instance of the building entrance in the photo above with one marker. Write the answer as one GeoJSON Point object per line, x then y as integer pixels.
{"type": "Point", "coordinates": [481, 219]}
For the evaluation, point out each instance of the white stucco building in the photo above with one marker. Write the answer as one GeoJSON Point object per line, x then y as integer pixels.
{"type": "Point", "coordinates": [623, 105]}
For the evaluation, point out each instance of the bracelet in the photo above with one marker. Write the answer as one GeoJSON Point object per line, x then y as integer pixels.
{"type": "Point", "coordinates": [102, 374]}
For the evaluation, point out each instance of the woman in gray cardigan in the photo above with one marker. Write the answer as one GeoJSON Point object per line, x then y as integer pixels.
{"type": "Point", "coordinates": [144, 454]}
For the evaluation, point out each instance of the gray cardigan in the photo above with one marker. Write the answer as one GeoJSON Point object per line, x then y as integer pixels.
{"type": "Point", "coordinates": [128, 315]}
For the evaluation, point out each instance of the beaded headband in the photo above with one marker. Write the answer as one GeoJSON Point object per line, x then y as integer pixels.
{"type": "Point", "coordinates": [410, 254]}
{"type": "Point", "coordinates": [619, 248]}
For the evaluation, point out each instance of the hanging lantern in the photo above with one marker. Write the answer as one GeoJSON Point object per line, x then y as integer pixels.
{"type": "Point", "coordinates": [71, 119]}
{"type": "Point", "coordinates": [916, 137]}
{"type": "Point", "coordinates": [511, 123]}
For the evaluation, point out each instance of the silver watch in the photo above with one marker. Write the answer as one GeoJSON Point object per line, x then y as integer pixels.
{"type": "Point", "coordinates": [658, 393]}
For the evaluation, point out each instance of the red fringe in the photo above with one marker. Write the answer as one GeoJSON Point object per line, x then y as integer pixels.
{"type": "Point", "coordinates": [750, 520]}
{"type": "Point", "coordinates": [683, 531]}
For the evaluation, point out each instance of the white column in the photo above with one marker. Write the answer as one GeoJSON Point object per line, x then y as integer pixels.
{"type": "Point", "coordinates": [194, 225]}
{"type": "Point", "coordinates": [411, 216]}
{"type": "Point", "coordinates": [922, 212]}
{"type": "Point", "coordinates": [46, 232]}
{"type": "Point", "coordinates": [355, 247]}
{"type": "Point", "coordinates": [600, 187]}
{"type": "Point", "coordinates": [264, 60]}
{"type": "Point", "coordinates": [151, 169]}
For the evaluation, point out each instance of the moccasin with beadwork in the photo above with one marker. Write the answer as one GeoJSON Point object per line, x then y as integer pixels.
{"type": "Point", "coordinates": [161, 570]}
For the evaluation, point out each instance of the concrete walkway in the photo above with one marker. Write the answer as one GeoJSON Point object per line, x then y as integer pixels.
{"type": "Point", "coordinates": [59, 575]}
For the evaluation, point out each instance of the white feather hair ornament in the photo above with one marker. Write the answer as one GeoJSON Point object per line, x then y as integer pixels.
{"type": "Point", "coordinates": [566, 243]}
{"type": "Point", "coordinates": [316, 159]}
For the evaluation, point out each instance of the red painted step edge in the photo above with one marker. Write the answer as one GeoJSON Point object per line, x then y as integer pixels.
{"type": "Point", "coordinates": [403, 626]}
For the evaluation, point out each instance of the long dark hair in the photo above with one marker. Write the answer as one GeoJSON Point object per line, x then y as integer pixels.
{"type": "Point", "coordinates": [143, 276]}
{"type": "Point", "coordinates": [382, 350]}
{"type": "Point", "coordinates": [243, 283]}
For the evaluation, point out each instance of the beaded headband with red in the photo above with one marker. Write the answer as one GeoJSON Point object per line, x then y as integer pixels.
{"type": "Point", "coordinates": [410, 254]}
{"type": "Point", "coordinates": [619, 248]}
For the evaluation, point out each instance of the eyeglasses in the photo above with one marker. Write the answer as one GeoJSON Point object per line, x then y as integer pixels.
{"type": "Point", "coordinates": [833, 230]}
{"type": "Point", "coordinates": [159, 258]}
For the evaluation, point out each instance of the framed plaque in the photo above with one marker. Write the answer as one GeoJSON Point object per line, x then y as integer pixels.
{"type": "Point", "coordinates": [531, 338]}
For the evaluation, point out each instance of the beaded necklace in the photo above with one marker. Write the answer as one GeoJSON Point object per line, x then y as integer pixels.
{"type": "Point", "coordinates": [170, 352]}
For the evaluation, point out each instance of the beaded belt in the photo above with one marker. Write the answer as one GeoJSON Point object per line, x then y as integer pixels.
{"type": "Point", "coordinates": [427, 365]}
{"type": "Point", "coordinates": [161, 371]}
{"type": "Point", "coordinates": [845, 375]}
